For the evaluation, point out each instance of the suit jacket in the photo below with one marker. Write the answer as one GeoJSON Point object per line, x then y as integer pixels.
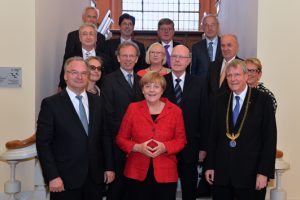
{"type": "Point", "coordinates": [107, 64]}
{"type": "Point", "coordinates": [137, 127]}
{"type": "Point", "coordinates": [200, 59]}
{"type": "Point", "coordinates": [73, 43]}
{"type": "Point", "coordinates": [255, 147]}
{"type": "Point", "coordinates": [194, 109]}
{"type": "Point", "coordinates": [63, 147]}
{"type": "Point", "coordinates": [111, 47]}
{"type": "Point", "coordinates": [117, 95]}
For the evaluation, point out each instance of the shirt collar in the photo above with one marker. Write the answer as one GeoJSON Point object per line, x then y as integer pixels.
{"type": "Point", "coordinates": [72, 94]}
{"type": "Point", "coordinates": [214, 40]}
{"type": "Point", "coordinates": [182, 77]}
{"type": "Point", "coordinates": [242, 95]}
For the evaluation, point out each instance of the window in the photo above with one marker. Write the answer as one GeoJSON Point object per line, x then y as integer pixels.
{"type": "Point", "coordinates": [184, 13]}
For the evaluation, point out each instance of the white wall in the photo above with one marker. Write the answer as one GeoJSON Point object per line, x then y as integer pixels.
{"type": "Point", "coordinates": [33, 35]}
{"type": "Point", "coordinates": [240, 18]}
{"type": "Point", "coordinates": [278, 47]}
{"type": "Point", "coordinates": [17, 107]}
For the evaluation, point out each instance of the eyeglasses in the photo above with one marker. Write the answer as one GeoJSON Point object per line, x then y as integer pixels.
{"type": "Point", "coordinates": [155, 52]}
{"type": "Point", "coordinates": [253, 71]}
{"type": "Point", "coordinates": [77, 73]}
{"type": "Point", "coordinates": [88, 34]}
{"type": "Point", "coordinates": [128, 56]}
{"type": "Point", "coordinates": [180, 57]}
{"type": "Point", "coordinates": [98, 68]}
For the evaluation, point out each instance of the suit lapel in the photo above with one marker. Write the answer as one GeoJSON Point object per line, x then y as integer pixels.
{"type": "Point", "coordinates": [170, 93]}
{"type": "Point", "coordinates": [186, 88]}
{"type": "Point", "coordinates": [91, 100]}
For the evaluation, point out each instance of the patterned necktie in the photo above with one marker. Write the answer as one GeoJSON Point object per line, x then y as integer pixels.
{"type": "Point", "coordinates": [87, 54]}
{"type": "Point", "coordinates": [178, 91]}
{"type": "Point", "coordinates": [210, 51]}
{"type": "Point", "coordinates": [129, 80]}
{"type": "Point", "coordinates": [168, 55]}
{"type": "Point", "coordinates": [82, 115]}
{"type": "Point", "coordinates": [236, 109]}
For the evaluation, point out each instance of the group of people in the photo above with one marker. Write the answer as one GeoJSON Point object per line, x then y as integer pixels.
{"type": "Point", "coordinates": [136, 120]}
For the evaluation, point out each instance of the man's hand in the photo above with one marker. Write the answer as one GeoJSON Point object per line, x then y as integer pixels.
{"type": "Point", "coordinates": [210, 176]}
{"type": "Point", "coordinates": [56, 185]}
{"type": "Point", "coordinates": [109, 176]}
{"type": "Point", "coordinates": [261, 182]}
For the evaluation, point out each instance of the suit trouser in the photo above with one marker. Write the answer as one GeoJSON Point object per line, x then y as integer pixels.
{"type": "Point", "coordinates": [89, 190]}
{"type": "Point", "coordinates": [149, 189]}
{"type": "Point", "coordinates": [117, 189]}
{"type": "Point", "coordinates": [188, 178]}
{"type": "Point", "coordinates": [228, 192]}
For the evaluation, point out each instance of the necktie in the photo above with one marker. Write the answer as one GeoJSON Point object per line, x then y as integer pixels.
{"type": "Point", "coordinates": [210, 51]}
{"type": "Point", "coordinates": [87, 54]}
{"type": "Point", "coordinates": [168, 55]}
{"type": "Point", "coordinates": [223, 74]}
{"type": "Point", "coordinates": [236, 109]}
{"type": "Point", "coordinates": [82, 115]}
{"type": "Point", "coordinates": [129, 80]}
{"type": "Point", "coordinates": [178, 92]}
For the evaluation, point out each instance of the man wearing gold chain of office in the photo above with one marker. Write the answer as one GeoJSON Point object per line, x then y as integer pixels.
{"type": "Point", "coordinates": [242, 143]}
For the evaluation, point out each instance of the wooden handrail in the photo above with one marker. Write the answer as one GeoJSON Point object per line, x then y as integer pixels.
{"type": "Point", "coordinates": [17, 144]}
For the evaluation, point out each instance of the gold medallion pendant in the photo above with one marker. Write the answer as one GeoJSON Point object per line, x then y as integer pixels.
{"type": "Point", "coordinates": [232, 136]}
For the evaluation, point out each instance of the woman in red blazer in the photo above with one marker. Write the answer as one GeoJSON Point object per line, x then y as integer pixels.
{"type": "Point", "coordinates": [152, 133]}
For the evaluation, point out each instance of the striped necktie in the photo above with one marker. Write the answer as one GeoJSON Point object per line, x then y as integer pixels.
{"type": "Point", "coordinates": [178, 92]}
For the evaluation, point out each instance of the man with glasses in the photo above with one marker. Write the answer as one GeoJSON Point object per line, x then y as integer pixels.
{"type": "Point", "coordinates": [242, 140]}
{"type": "Point", "coordinates": [189, 93]}
{"type": "Point", "coordinates": [126, 23]}
{"type": "Point", "coordinates": [118, 90]}
{"type": "Point", "coordinates": [89, 15]}
{"type": "Point", "coordinates": [87, 37]}
{"type": "Point", "coordinates": [75, 157]}
{"type": "Point", "coordinates": [165, 33]}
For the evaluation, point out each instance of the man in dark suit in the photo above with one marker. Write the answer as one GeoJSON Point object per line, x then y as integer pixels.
{"type": "Point", "coordinates": [75, 156]}
{"type": "Point", "coordinates": [126, 23]}
{"type": "Point", "coordinates": [194, 107]}
{"type": "Point", "coordinates": [165, 33]}
{"type": "Point", "coordinates": [87, 37]}
{"type": "Point", "coordinates": [119, 89]}
{"type": "Point", "coordinates": [90, 15]}
{"type": "Point", "coordinates": [217, 83]}
{"type": "Point", "coordinates": [208, 49]}
{"type": "Point", "coordinates": [242, 143]}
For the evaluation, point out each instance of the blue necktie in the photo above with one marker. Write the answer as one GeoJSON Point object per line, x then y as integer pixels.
{"type": "Point", "coordinates": [168, 55]}
{"type": "Point", "coordinates": [82, 115]}
{"type": "Point", "coordinates": [236, 110]}
{"type": "Point", "coordinates": [129, 80]}
{"type": "Point", "coordinates": [178, 91]}
{"type": "Point", "coordinates": [210, 51]}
